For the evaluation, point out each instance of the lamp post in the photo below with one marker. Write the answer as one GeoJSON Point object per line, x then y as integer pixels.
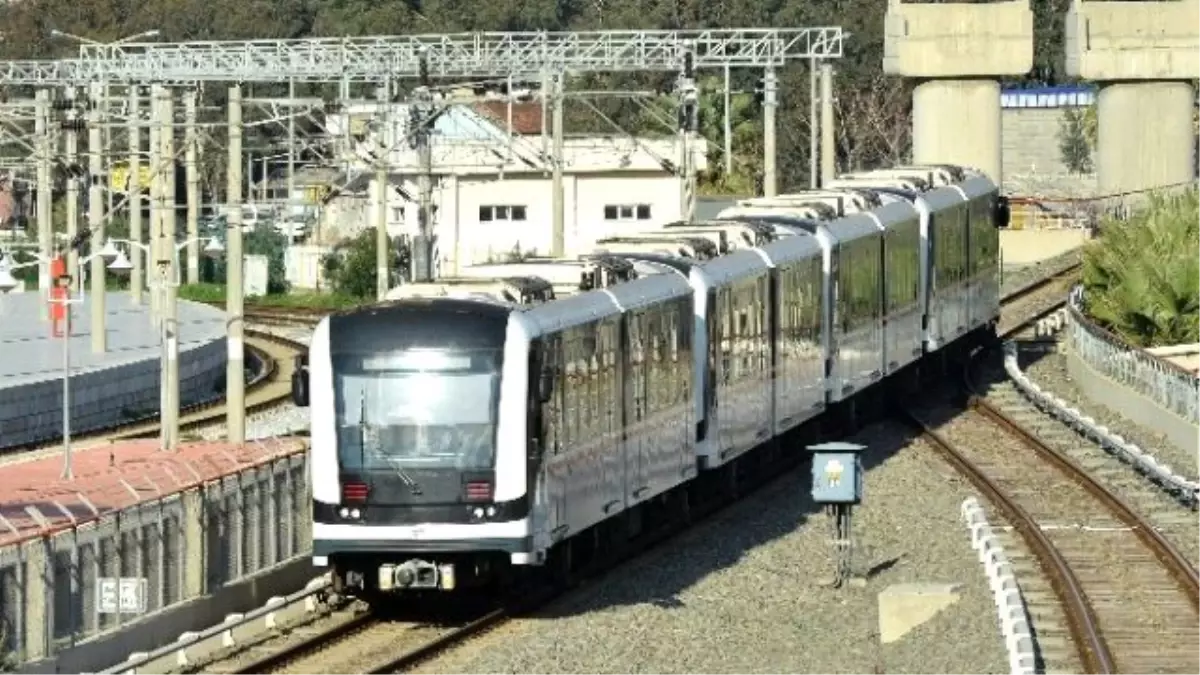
{"type": "Point", "coordinates": [63, 282]}
{"type": "Point", "coordinates": [168, 326]}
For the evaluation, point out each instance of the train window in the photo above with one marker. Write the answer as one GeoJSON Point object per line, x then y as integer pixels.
{"type": "Point", "coordinates": [551, 408]}
{"type": "Point", "coordinates": [571, 400]}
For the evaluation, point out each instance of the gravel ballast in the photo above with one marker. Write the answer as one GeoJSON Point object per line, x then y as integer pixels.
{"type": "Point", "coordinates": [741, 592]}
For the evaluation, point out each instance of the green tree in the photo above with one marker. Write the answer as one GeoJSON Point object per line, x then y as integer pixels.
{"type": "Point", "coordinates": [350, 267]}
{"type": "Point", "coordinates": [1140, 276]}
{"type": "Point", "coordinates": [264, 240]}
{"type": "Point", "coordinates": [1077, 139]}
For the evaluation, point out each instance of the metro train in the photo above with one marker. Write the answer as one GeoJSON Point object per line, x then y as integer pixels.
{"type": "Point", "coordinates": [459, 439]}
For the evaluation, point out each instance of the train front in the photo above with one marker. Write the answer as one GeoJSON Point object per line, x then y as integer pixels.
{"type": "Point", "coordinates": [418, 453]}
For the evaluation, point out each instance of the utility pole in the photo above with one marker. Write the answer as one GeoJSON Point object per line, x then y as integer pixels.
{"type": "Point", "coordinates": [422, 249]}
{"type": "Point", "coordinates": [813, 124]}
{"type": "Point", "coordinates": [381, 192]}
{"type": "Point", "coordinates": [96, 220]}
{"type": "Point", "coordinates": [828, 152]}
{"type": "Point", "coordinates": [156, 189]}
{"type": "Point", "coordinates": [235, 375]}
{"type": "Point", "coordinates": [289, 215]}
{"type": "Point", "coordinates": [168, 265]}
{"type": "Point", "coordinates": [558, 198]}
{"type": "Point", "coordinates": [770, 102]}
{"type": "Point", "coordinates": [688, 105]}
{"type": "Point", "coordinates": [728, 127]}
{"type": "Point", "coordinates": [192, 179]}
{"type": "Point", "coordinates": [44, 197]}
{"type": "Point", "coordinates": [72, 160]}
{"type": "Point", "coordinates": [134, 190]}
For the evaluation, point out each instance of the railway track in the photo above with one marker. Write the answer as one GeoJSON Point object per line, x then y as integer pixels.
{"type": "Point", "coordinates": [1023, 306]}
{"type": "Point", "coordinates": [1121, 597]}
{"type": "Point", "coordinates": [347, 642]}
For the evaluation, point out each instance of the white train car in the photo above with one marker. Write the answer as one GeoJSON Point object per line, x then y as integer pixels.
{"type": "Point", "coordinates": [615, 415]}
{"type": "Point", "coordinates": [801, 333]}
{"type": "Point", "coordinates": [738, 308]}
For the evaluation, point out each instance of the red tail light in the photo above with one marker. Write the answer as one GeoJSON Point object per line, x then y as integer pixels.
{"type": "Point", "coordinates": [354, 492]}
{"type": "Point", "coordinates": [479, 491]}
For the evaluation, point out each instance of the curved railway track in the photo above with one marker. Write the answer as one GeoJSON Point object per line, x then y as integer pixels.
{"type": "Point", "coordinates": [369, 644]}
{"type": "Point", "coordinates": [1114, 593]}
{"type": "Point", "coordinates": [1128, 595]}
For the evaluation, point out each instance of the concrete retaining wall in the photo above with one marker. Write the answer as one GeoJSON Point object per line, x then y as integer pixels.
{"type": "Point", "coordinates": [1148, 390]}
{"type": "Point", "coordinates": [100, 398]}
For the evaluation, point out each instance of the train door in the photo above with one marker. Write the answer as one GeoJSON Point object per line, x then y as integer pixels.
{"type": "Point", "coordinates": [635, 406]}
{"type": "Point", "coordinates": [551, 478]}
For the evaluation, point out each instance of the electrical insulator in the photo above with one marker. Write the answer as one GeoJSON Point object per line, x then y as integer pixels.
{"type": "Point", "coordinates": [423, 70]}
{"type": "Point", "coordinates": [74, 125]}
{"type": "Point", "coordinates": [689, 67]}
{"type": "Point", "coordinates": [760, 90]}
{"type": "Point", "coordinates": [62, 104]}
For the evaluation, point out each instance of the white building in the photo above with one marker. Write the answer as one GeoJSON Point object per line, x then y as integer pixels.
{"type": "Point", "coordinates": [492, 188]}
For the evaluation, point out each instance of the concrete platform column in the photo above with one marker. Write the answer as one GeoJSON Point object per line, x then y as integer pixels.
{"type": "Point", "coordinates": [1146, 138]}
{"type": "Point", "coordinates": [958, 121]}
{"type": "Point", "coordinates": [1145, 56]}
{"type": "Point", "coordinates": [194, 545]}
{"type": "Point", "coordinates": [39, 601]}
{"type": "Point", "coordinates": [957, 50]}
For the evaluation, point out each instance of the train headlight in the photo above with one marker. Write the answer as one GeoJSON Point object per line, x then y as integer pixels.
{"type": "Point", "coordinates": [491, 511]}
{"type": "Point", "coordinates": [478, 512]}
{"type": "Point", "coordinates": [355, 513]}
{"type": "Point", "coordinates": [345, 513]}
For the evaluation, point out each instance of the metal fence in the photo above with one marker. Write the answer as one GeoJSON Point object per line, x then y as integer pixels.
{"type": "Point", "coordinates": [1168, 385]}
{"type": "Point", "coordinates": [69, 584]}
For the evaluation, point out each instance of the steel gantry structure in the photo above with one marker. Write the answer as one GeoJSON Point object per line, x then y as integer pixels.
{"type": "Point", "coordinates": [464, 55]}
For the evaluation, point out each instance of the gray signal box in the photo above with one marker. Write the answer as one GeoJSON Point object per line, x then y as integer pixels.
{"type": "Point", "coordinates": [837, 473]}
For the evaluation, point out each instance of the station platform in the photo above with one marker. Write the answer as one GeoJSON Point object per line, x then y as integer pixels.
{"type": "Point", "coordinates": [35, 500]}
{"type": "Point", "coordinates": [120, 385]}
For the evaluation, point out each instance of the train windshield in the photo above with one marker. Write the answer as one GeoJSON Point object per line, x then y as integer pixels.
{"type": "Point", "coordinates": [417, 408]}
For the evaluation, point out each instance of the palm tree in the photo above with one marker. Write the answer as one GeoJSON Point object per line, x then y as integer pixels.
{"type": "Point", "coordinates": [1140, 277]}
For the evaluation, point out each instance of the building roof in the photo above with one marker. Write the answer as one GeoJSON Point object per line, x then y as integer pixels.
{"type": "Point", "coordinates": [526, 115]}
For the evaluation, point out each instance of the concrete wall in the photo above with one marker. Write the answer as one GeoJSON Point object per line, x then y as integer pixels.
{"type": "Point", "coordinates": [1133, 405]}
{"type": "Point", "coordinates": [100, 398]}
{"type": "Point", "coordinates": [1025, 247]}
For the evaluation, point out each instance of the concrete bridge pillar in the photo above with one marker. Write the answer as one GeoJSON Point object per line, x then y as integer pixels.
{"type": "Point", "coordinates": [957, 51]}
{"type": "Point", "coordinates": [1145, 56]}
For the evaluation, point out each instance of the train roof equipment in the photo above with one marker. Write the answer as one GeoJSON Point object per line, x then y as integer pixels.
{"type": "Point", "coordinates": [649, 262]}
{"type": "Point", "coordinates": [696, 248]}
{"type": "Point", "coordinates": [718, 238]}
{"type": "Point", "coordinates": [512, 290]}
{"type": "Point", "coordinates": [868, 181]}
{"type": "Point", "coordinates": [567, 276]}
{"type": "Point", "coordinates": [842, 202]}
{"type": "Point", "coordinates": [713, 243]}
{"type": "Point", "coordinates": [740, 234]}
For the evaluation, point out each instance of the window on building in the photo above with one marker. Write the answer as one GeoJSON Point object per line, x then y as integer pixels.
{"type": "Point", "coordinates": [397, 214]}
{"type": "Point", "coordinates": [490, 212]}
{"type": "Point", "coordinates": [627, 212]}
